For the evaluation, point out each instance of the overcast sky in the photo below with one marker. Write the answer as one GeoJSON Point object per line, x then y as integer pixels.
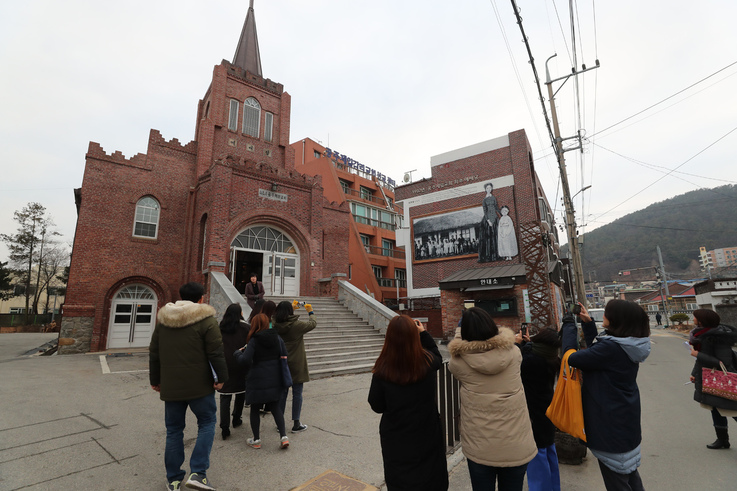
{"type": "Point", "coordinates": [389, 83]}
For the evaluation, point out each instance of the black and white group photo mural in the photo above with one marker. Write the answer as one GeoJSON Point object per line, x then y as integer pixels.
{"type": "Point", "coordinates": [486, 231]}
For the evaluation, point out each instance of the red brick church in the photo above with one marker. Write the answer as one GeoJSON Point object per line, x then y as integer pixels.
{"type": "Point", "coordinates": [230, 201]}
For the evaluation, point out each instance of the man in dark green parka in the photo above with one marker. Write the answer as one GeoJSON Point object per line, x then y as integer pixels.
{"type": "Point", "coordinates": [186, 365]}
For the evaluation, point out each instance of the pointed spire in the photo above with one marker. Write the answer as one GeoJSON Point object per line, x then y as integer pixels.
{"type": "Point", "coordinates": [247, 55]}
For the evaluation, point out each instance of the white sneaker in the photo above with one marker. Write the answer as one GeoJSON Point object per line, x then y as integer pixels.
{"type": "Point", "coordinates": [284, 442]}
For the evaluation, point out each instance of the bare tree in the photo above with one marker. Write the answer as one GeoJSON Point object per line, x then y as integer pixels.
{"type": "Point", "coordinates": [34, 226]}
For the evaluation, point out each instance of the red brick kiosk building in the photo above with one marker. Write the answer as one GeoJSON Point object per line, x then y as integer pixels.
{"type": "Point", "coordinates": [479, 232]}
{"type": "Point", "coordinates": [230, 201]}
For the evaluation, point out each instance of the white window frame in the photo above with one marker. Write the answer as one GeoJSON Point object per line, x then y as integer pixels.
{"type": "Point", "coordinates": [252, 117]}
{"type": "Point", "coordinates": [268, 126]}
{"type": "Point", "coordinates": [377, 269]}
{"type": "Point", "coordinates": [148, 212]}
{"type": "Point", "coordinates": [692, 306]}
{"type": "Point", "coordinates": [233, 115]}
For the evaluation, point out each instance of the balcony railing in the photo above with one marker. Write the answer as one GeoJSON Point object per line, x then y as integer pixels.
{"type": "Point", "coordinates": [391, 283]}
{"type": "Point", "coordinates": [374, 223]}
{"type": "Point", "coordinates": [365, 196]}
{"type": "Point", "coordinates": [384, 251]}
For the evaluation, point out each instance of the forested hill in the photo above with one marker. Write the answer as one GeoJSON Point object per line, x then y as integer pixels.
{"type": "Point", "coordinates": [680, 225]}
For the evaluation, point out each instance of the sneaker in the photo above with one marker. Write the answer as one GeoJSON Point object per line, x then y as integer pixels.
{"type": "Point", "coordinates": [199, 481]}
{"type": "Point", "coordinates": [300, 428]}
{"type": "Point", "coordinates": [284, 442]}
{"type": "Point", "coordinates": [174, 486]}
{"type": "Point", "coordinates": [254, 443]}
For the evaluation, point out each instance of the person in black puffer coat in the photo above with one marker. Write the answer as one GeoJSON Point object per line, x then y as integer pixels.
{"type": "Point", "coordinates": [540, 365]}
{"type": "Point", "coordinates": [264, 385]}
{"type": "Point", "coordinates": [712, 343]}
{"type": "Point", "coordinates": [235, 334]}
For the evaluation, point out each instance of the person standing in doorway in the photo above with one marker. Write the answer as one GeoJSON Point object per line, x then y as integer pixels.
{"type": "Point", "coordinates": [254, 290]}
{"type": "Point", "coordinates": [186, 366]}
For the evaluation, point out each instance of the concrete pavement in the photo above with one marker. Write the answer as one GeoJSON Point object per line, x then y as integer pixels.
{"type": "Point", "coordinates": [93, 422]}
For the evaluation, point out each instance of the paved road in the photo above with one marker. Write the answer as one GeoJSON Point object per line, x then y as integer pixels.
{"type": "Point", "coordinates": [76, 422]}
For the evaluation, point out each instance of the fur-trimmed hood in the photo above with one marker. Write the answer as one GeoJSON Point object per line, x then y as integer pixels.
{"type": "Point", "coordinates": [183, 313]}
{"type": "Point", "coordinates": [476, 353]}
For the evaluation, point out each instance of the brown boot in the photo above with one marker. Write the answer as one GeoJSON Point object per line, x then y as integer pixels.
{"type": "Point", "coordinates": [722, 440]}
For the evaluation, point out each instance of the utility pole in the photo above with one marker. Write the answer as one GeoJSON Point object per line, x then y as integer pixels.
{"type": "Point", "coordinates": [665, 282]}
{"type": "Point", "coordinates": [573, 245]}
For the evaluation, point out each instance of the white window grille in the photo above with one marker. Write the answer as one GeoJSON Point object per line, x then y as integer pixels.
{"type": "Point", "coordinates": [233, 117]}
{"type": "Point", "coordinates": [147, 218]}
{"type": "Point", "coordinates": [251, 117]}
{"type": "Point", "coordinates": [268, 126]}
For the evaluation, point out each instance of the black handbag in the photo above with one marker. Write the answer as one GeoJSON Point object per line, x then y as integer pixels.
{"type": "Point", "coordinates": [286, 375]}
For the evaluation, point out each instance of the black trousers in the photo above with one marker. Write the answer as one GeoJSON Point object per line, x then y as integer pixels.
{"type": "Point", "coordinates": [273, 408]}
{"type": "Point", "coordinates": [240, 401]}
{"type": "Point", "coordinates": [614, 481]}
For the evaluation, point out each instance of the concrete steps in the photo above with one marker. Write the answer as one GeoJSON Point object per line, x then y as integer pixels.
{"type": "Point", "coordinates": [341, 343]}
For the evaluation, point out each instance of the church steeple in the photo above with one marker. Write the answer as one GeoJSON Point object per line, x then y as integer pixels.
{"type": "Point", "coordinates": [247, 55]}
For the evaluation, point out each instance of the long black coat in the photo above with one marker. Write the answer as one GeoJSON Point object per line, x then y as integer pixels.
{"type": "Point", "coordinates": [538, 378]}
{"type": "Point", "coordinates": [264, 380]}
{"type": "Point", "coordinates": [716, 346]}
{"type": "Point", "coordinates": [233, 341]}
{"type": "Point", "coordinates": [411, 435]}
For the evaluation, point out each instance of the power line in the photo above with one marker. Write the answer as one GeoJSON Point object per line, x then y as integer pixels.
{"type": "Point", "coordinates": [662, 101]}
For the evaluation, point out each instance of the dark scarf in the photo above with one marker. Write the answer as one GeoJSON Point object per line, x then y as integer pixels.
{"type": "Point", "coordinates": [695, 333]}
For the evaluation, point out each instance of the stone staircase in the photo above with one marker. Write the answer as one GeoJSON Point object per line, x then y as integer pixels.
{"type": "Point", "coordinates": [341, 343]}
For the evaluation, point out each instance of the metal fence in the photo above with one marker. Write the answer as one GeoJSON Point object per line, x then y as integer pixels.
{"type": "Point", "coordinates": [447, 396]}
{"type": "Point", "coordinates": [13, 320]}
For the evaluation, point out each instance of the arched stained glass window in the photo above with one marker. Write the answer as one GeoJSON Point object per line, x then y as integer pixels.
{"type": "Point", "coordinates": [251, 117]}
{"type": "Point", "coordinates": [147, 218]}
{"type": "Point", "coordinates": [136, 292]}
{"type": "Point", "coordinates": [264, 239]}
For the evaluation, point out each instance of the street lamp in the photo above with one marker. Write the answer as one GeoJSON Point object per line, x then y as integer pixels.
{"type": "Point", "coordinates": [580, 191]}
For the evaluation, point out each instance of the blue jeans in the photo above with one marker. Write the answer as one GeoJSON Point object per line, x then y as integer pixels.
{"type": "Point", "coordinates": [483, 477]}
{"type": "Point", "coordinates": [296, 401]}
{"type": "Point", "coordinates": [542, 471]}
{"type": "Point", "coordinates": [175, 413]}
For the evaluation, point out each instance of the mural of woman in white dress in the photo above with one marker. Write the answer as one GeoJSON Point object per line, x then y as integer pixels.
{"type": "Point", "coordinates": [506, 240]}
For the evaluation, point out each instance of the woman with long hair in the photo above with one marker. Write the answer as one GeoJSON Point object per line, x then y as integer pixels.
{"type": "Point", "coordinates": [264, 384]}
{"type": "Point", "coordinates": [496, 435]}
{"type": "Point", "coordinates": [540, 365]}
{"type": "Point", "coordinates": [609, 392]}
{"type": "Point", "coordinates": [235, 333]}
{"type": "Point", "coordinates": [711, 343]}
{"type": "Point", "coordinates": [292, 331]}
{"type": "Point", "coordinates": [403, 392]}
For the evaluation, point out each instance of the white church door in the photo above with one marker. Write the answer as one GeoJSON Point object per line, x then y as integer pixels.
{"type": "Point", "coordinates": [132, 317]}
{"type": "Point", "coordinates": [278, 260]}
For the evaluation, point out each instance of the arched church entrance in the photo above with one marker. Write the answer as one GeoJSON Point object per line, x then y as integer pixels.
{"type": "Point", "coordinates": [133, 317]}
{"type": "Point", "coordinates": [269, 253]}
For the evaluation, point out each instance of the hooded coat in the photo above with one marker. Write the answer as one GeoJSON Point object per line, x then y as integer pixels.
{"type": "Point", "coordinates": [186, 347]}
{"type": "Point", "coordinates": [264, 380]}
{"type": "Point", "coordinates": [292, 331]}
{"type": "Point", "coordinates": [609, 392]}
{"type": "Point", "coordinates": [233, 341]}
{"type": "Point", "coordinates": [495, 423]}
{"type": "Point", "coordinates": [716, 346]}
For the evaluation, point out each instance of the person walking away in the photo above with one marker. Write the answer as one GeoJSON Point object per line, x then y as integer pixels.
{"type": "Point", "coordinates": [186, 350]}
{"type": "Point", "coordinates": [712, 343]}
{"type": "Point", "coordinates": [264, 385]}
{"type": "Point", "coordinates": [235, 334]}
{"type": "Point", "coordinates": [496, 434]}
{"type": "Point", "coordinates": [403, 392]}
{"type": "Point", "coordinates": [609, 392]}
{"type": "Point", "coordinates": [292, 331]}
{"type": "Point", "coordinates": [540, 365]}
{"type": "Point", "coordinates": [254, 290]}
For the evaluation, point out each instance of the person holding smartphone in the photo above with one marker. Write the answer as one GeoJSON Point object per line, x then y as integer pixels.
{"type": "Point", "coordinates": [609, 392]}
{"type": "Point", "coordinates": [496, 434]}
{"type": "Point", "coordinates": [403, 392]}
